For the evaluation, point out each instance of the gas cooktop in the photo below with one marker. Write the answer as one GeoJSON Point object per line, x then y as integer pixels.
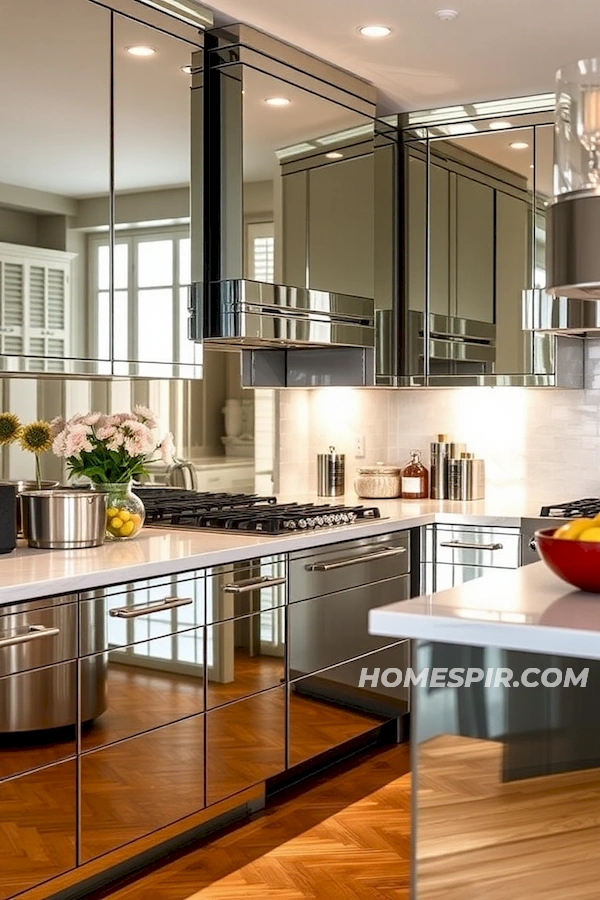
{"type": "Point", "coordinates": [588, 508]}
{"type": "Point", "coordinates": [174, 508]}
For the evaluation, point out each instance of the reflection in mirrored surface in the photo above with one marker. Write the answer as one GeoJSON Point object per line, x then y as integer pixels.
{"type": "Point", "coordinates": [55, 157]}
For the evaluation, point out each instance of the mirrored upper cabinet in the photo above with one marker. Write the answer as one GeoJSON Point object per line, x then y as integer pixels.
{"type": "Point", "coordinates": [288, 185]}
{"type": "Point", "coordinates": [472, 218]}
{"type": "Point", "coordinates": [94, 194]}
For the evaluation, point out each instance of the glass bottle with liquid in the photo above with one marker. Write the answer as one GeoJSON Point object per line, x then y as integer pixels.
{"type": "Point", "coordinates": [415, 478]}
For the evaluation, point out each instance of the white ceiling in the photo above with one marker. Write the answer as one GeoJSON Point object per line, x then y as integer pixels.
{"type": "Point", "coordinates": [495, 48]}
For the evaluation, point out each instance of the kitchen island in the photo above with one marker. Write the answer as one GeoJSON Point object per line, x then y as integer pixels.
{"type": "Point", "coordinates": [506, 801]}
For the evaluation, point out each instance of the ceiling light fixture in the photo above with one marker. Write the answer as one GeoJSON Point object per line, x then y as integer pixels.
{"type": "Point", "coordinates": [335, 154]}
{"type": "Point", "coordinates": [446, 15]}
{"type": "Point", "coordinates": [375, 31]}
{"type": "Point", "coordinates": [141, 50]}
{"type": "Point", "coordinates": [187, 70]}
{"type": "Point", "coordinates": [500, 124]}
{"type": "Point", "coordinates": [519, 145]}
{"type": "Point", "coordinates": [277, 101]}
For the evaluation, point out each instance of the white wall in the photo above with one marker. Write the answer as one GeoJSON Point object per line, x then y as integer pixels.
{"type": "Point", "coordinates": [544, 442]}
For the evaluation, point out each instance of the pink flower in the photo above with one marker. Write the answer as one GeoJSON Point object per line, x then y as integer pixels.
{"type": "Point", "coordinates": [77, 442]}
{"type": "Point", "coordinates": [59, 444]}
{"type": "Point", "coordinates": [138, 439]}
{"type": "Point", "coordinates": [107, 433]}
{"type": "Point", "coordinates": [57, 425]}
{"type": "Point", "coordinates": [92, 418]}
{"type": "Point", "coordinates": [167, 449]}
{"type": "Point", "coordinates": [145, 415]}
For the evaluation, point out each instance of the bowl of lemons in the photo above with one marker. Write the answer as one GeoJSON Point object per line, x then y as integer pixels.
{"type": "Point", "coordinates": [572, 552]}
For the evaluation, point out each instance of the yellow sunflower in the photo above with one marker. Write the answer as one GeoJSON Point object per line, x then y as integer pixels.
{"type": "Point", "coordinates": [10, 428]}
{"type": "Point", "coordinates": [36, 437]}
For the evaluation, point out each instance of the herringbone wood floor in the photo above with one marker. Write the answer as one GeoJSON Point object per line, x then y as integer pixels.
{"type": "Point", "coordinates": [343, 836]}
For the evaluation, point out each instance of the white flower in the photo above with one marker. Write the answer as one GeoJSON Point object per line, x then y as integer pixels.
{"type": "Point", "coordinates": [167, 449]}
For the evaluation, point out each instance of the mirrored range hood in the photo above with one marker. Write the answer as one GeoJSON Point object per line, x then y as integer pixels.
{"type": "Point", "coordinates": [572, 300]}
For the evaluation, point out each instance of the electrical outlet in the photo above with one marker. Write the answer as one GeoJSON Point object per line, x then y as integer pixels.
{"type": "Point", "coordinates": [359, 446]}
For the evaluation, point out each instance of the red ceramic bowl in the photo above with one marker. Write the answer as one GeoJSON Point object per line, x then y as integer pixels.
{"type": "Point", "coordinates": [577, 562]}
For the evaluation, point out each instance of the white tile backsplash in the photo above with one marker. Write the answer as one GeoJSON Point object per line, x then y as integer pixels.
{"type": "Point", "coordinates": [546, 441]}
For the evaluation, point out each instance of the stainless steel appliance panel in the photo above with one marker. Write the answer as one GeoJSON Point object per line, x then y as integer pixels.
{"type": "Point", "coordinates": [529, 527]}
{"type": "Point", "coordinates": [140, 611]}
{"type": "Point", "coordinates": [348, 564]}
{"type": "Point", "coordinates": [476, 546]}
{"type": "Point", "coordinates": [38, 811]}
{"type": "Point", "coordinates": [34, 635]}
{"type": "Point", "coordinates": [134, 787]}
{"type": "Point", "coordinates": [333, 628]}
{"type": "Point", "coordinates": [245, 743]}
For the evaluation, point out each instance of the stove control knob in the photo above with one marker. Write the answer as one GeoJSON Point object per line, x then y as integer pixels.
{"type": "Point", "coordinates": [302, 523]}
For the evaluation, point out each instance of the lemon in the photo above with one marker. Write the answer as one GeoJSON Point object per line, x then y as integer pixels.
{"type": "Point", "coordinates": [591, 534]}
{"type": "Point", "coordinates": [127, 528]}
{"type": "Point", "coordinates": [572, 530]}
{"type": "Point", "coordinates": [111, 512]}
{"type": "Point", "coordinates": [116, 523]}
{"type": "Point", "coordinates": [125, 515]}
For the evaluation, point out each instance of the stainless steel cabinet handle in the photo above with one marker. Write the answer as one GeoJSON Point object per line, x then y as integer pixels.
{"type": "Point", "coordinates": [251, 584]}
{"type": "Point", "coordinates": [132, 612]}
{"type": "Point", "coordinates": [465, 545]}
{"type": "Point", "coordinates": [355, 560]}
{"type": "Point", "coordinates": [35, 633]}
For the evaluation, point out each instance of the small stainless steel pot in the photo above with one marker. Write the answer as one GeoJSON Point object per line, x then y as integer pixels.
{"type": "Point", "coordinates": [64, 519]}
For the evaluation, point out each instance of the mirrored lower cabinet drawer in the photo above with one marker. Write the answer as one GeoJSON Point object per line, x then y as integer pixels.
{"type": "Point", "coordinates": [245, 587]}
{"type": "Point", "coordinates": [38, 827]}
{"type": "Point", "coordinates": [317, 723]}
{"type": "Point", "coordinates": [244, 656]}
{"type": "Point", "coordinates": [132, 788]}
{"type": "Point", "coordinates": [37, 633]}
{"type": "Point", "coordinates": [143, 686]}
{"type": "Point", "coordinates": [245, 743]}
{"type": "Point", "coordinates": [38, 711]}
{"type": "Point", "coordinates": [498, 547]}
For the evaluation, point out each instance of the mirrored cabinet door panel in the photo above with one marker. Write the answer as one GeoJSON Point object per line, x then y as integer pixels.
{"type": "Point", "coordinates": [38, 821]}
{"type": "Point", "coordinates": [245, 743]}
{"type": "Point", "coordinates": [145, 685]}
{"type": "Point", "coordinates": [54, 186]}
{"type": "Point", "coordinates": [245, 655]}
{"type": "Point", "coordinates": [152, 266]}
{"type": "Point", "coordinates": [136, 786]}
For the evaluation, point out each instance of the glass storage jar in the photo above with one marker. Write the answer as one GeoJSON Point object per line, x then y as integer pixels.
{"type": "Point", "coordinates": [125, 511]}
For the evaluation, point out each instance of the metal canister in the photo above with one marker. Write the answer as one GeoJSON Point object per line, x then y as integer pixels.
{"type": "Point", "coordinates": [442, 451]}
{"type": "Point", "coordinates": [331, 474]}
{"type": "Point", "coordinates": [466, 478]}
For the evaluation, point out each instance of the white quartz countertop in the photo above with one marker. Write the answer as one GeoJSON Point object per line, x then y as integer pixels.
{"type": "Point", "coordinates": [26, 573]}
{"type": "Point", "coordinates": [521, 609]}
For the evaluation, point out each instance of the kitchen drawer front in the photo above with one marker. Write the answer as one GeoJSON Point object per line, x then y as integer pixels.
{"type": "Point", "coordinates": [141, 613]}
{"type": "Point", "coordinates": [244, 588]}
{"type": "Point", "coordinates": [245, 656]}
{"type": "Point", "coordinates": [29, 702]}
{"type": "Point", "coordinates": [135, 787]}
{"type": "Point", "coordinates": [245, 743]}
{"type": "Point", "coordinates": [347, 564]}
{"type": "Point", "coordinates": [497, 547]}
{"type": "Point", "coordinates": [328, 630]}
{"type": "Point", "coordinates": [146, 686]}
{"type": "Point", "coordinates": [33, 636]}
{"type": "Point", "coordinates": [38, 822]}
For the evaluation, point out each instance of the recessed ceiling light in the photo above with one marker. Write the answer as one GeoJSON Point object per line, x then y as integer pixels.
{"type": "Point", "coordinates": [277, 101]}
{"type": "Point", "coordinates": [499, 124]}
{"type": "Point", "coordinates": [335, 154]}
{"type": "Point", "coordinates": [519, 145]}
{"type": "Point", "coordinates": [375, 30]}
{"type": "Point", "coordinates": [531, 166]}
{"type": "Point", "coordinates": [446, 15]}
{"type": "Point", "coordinates": [141, 50]}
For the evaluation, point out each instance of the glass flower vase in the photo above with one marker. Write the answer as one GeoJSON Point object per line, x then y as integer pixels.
{"type": "Point", "coordinates": [125, 511]}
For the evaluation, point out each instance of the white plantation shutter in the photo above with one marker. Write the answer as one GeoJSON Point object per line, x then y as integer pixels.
{"type": "Point", "coordinates": [261, 251]}
{"type": "Point", "coordinates": [13, 287]}
{"type": "Point", "coordinates": [37, 296]}
{"type": "Point", "coordinates": [55, 305]}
